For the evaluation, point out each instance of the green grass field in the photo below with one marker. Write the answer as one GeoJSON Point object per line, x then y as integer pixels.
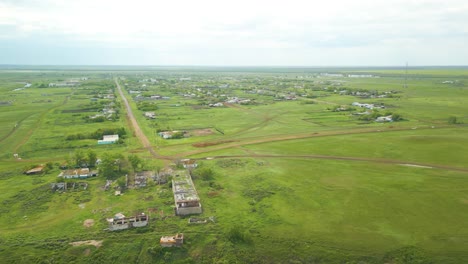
{"type": "Point", "coordinates": [292, 180]}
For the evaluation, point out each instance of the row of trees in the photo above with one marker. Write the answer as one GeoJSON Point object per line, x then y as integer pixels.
{"type": "Point", "coordinates": [112, 166]}
{"type": "Point", "coordinates": [109, 163]}
{"type": "Point", "coordinates": [98, 134]}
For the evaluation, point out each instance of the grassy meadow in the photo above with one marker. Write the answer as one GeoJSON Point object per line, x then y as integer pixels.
{"type": "Point", "coordinates": [293, 174]}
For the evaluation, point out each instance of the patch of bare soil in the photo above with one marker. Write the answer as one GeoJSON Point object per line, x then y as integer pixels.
{"type": "Point", "coordinates": [201, 132]}
{"type": "Point", "coordinates": [88, 222]}
{"type": "Point", "coordinates": [96, 243]}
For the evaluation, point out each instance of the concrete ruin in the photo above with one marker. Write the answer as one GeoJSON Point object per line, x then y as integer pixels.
{"type": "Point", "coordinates": [64, 186]}
{"type": "Point", "coordinates": [172, 241]}
{"type": "Point", "coordinates": [141, 178]}
{"type": "Point", "coordinates": [185, 195]}
{"type": "Point", "coordinates": [189, 163]}
{"type": "Point", "coordinates": [120, 222]}
{"type": "Point", "coordinates": [82, 173]}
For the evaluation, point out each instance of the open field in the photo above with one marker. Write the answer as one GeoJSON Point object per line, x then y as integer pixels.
{"type": "Point", "coordinates": [289, 168]}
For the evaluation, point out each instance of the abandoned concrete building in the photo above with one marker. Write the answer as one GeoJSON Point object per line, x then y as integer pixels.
{"type": "Point", "coordinates": [172, 241]}
{"type": "Point", "coordinates": [141, 178]}
{"type": "Point", "coordinates": [78, 173]}
{"type": "Point", "coordinates": [64, 186]}
{"type": "Point", "coordinates": [120, 222]}
{"type": "Point", "coordinates": [189, 163]}
{"type": "Point", "coordinates": [185, 195]}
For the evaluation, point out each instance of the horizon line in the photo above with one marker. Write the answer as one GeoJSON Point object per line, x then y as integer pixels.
{"type": "Point", "coordinates": [235, 66]}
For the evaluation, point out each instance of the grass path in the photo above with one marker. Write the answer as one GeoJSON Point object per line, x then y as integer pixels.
{"type": "Point", "coordinates": [38, 122]}
{"type": "Point", "coordinates": [327, 157]}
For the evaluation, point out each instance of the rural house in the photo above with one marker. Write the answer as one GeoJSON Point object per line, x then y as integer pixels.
{"type": "Point", "coordinates": [36, 170]}
{"type": "Point", "coordinates": [108, 139]}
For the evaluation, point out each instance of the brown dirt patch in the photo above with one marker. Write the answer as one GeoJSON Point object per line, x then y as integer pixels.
{"type": "Point", "coordinates": [88, 223]}
{"type": "Point", "coordinates": [201, 132]}
{"type": "Point", "coordinates": [96, 243]}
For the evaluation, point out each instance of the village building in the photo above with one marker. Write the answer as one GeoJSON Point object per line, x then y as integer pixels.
{"type": "Point", "coordinates": [172, 241]}
{"type": "Point", "coordinates": [82, 173]}
{"type": "Point", "coordinates": [172, 134]}
{"type": "Point", "coordinates": [141, 178]}
{"type": "Point", "coordinates": [120, 222]}
{"type": "Point", "coordinates": [36, 170]}
{"type": "Point", "coordinates": [185, 195]}
{"type": "Point", "coordinates": [151, 115]}
{"type": "Point", "coordinates": [382, 119]}
{"type": "Point", "coordinates": [108, 139]}
{"type": "Point", "coordinates": [189, 163]}
{"type": "Point", "coordinates": [368, 106]}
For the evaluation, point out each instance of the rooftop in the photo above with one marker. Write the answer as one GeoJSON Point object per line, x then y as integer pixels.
{"type": "Point", "coordinates": [183, 187]}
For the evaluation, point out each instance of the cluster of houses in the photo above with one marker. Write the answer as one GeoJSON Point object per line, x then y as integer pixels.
{"type": "Point", "coordinates": [140, 97]}
{"type": "Point", "coordinates": [151, 80]}
{"type": "Point", "coordinates": [236, 100]}
{"type": "Point", "coordinates": [65, 84]}
{"type": "Point", "coordinates": [347, 75]}
{"type": "Point", "coordinates": [367, 106]}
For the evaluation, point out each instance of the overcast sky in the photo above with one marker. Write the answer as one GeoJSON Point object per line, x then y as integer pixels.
{"type": "Point", "coordinates": [234, 32]}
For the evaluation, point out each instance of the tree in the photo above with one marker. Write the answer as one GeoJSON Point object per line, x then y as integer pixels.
{"type": "Point", "coordinates": [397, 117]}
{"type": "Point", "coordinates": [452, 120]}
{"type": "Point", "coordinates": [92, 158]}
{"type": "Point", "coordinates": [48, 167]}
{"type": "Point", "coordinates": [206, 174]}
{"type": "Point", "coordinates": [79, 158]}
{"type": "Point", "coordinates": [107, 167]}
{"type": "Point", "coordinates": [135, 162]}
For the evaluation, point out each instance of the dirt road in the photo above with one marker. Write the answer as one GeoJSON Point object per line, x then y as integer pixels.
{"type": "Point", "coordinates": [266, 139]}
{"type": "Point", "coordinates": [136, 128]}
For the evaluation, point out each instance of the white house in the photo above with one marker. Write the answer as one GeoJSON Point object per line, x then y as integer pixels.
{"type": "Point", "coordinates": [384, 119]}
{"type": "Point", "coordinates": [108, 139]}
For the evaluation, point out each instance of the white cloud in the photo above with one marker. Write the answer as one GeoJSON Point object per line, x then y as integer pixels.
{"type": "Point", "coordinates": [247, 32]}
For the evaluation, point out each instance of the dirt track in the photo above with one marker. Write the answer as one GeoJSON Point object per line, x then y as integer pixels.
{"type": "Point", "coordinates": [375, 160]}
{"type": "Point", "coordinates": [257, 140]}
{"type": "Point", "coordinates": [136, 128]}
